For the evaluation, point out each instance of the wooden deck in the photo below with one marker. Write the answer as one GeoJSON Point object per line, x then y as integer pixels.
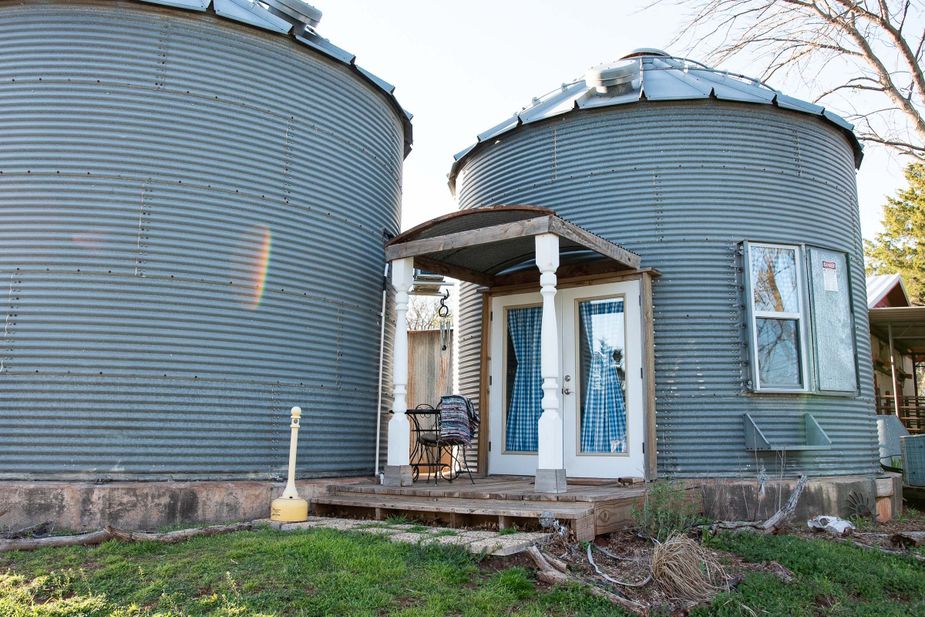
{"type": "Point", "coordinates": [589, 508]}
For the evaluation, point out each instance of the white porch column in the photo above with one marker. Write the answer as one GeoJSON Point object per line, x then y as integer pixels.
{"type": "Point", "coordinates": [897, 386]}
{"type": "Point", "coordinates": [550, 472]}
{"type": "Point", "coordinates": [398, 468]}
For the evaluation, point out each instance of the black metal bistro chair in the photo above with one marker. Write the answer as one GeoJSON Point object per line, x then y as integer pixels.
{"type": "Point", "coordinates": [454, 423]}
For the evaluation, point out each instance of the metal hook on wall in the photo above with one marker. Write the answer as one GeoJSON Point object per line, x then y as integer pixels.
{"type": "Point", "coordinates": [444, 310]}
{"type": "Point", "coordinates": [444, 313]}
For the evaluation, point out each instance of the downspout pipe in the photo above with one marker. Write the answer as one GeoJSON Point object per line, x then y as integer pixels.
{"type": "Point", "coordinates": [385, 289]}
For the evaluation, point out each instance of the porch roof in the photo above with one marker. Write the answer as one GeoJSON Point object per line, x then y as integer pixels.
{"type": "Point", "coordinates": [907, 323]}
{"type": "Point", "coordinates": [494, 245]}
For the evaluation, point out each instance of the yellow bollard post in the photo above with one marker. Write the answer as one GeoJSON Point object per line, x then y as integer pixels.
{"type": "Point", "coordinates": [290, 508]}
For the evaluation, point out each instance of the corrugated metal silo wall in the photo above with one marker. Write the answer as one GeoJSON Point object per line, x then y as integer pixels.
{"type": "Point", "coordinates": [683, 184]}
{"type": "Point", "coordinates": [152, 161]}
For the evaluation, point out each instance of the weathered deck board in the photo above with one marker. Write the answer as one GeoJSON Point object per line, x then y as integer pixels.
{"type": "Point", "coordinates": [589, 509]}
{"type": "Point", "coordinates": [486, 507]}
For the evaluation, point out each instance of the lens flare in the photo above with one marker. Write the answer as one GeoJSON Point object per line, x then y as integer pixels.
{"type": "Point", "coordinates": [260, 265]}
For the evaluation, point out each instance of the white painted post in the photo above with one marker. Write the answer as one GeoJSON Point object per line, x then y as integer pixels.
{"type": "Point", "coordinates": [398, 468]}
{"type": "Point", "coordinates": [897, 386]}
{"type": "Point", "coordinates": [550, 472]}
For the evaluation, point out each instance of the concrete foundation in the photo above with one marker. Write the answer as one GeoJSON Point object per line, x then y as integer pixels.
{"type": "Point", "coordinates": [397, 475]}
{"type": "Point", "coordinates": [749, 500]}
{"type": "Point", "coordinates": [550, 481]}
{"type": "Point", "coordinates": [80, 506]}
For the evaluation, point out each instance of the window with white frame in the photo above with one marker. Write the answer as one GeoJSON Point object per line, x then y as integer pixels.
{"type": "Point", "coordinates": [777, 318]}
{"type": "Point", "coordinates": [801, 328]}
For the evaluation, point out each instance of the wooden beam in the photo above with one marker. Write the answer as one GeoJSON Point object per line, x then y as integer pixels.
{"type": "Point", "coordinates": [578, 280]}
{"type": "Point", "coordinates": [648, 354]}
{"type": "Point", "coordinates": [532, 275]}
{"type": "Point", "coordinates": [469, 238]}
{"type": "Point", "coordinates": [595, 243]}
{"type": "Point", "coordinates": [484, 409]}
{"type": "Point", "coordinates": [457, 272]}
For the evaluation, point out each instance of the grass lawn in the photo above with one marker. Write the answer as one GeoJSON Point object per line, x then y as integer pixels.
{"type": "Point", "coordinates": [323, 572]}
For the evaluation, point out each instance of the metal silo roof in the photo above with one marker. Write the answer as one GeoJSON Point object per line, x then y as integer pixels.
{"type": "Point", "coordinates": [652, 75]}
{"type": "Point", "coordinates": [267, 16]}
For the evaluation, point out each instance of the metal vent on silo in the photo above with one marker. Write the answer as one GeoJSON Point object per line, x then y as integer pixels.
{"type": "Point", "coordinates": [617, 78]}
{"type": "Point", "coordinates": [296, 12]}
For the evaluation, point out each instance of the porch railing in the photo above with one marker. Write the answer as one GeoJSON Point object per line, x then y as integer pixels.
{"type": "Point", "coordinates": [911, 411]}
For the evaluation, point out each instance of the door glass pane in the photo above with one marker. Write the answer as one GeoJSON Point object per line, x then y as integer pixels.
{"type": "Point", "coordinates": [778, 353]}
{"type": "Point", "coordinates": [523, 380]}
{"type": "Point", "coordinates": [774, 279]}
{"type": "Point", "coordinates": [602, 366]}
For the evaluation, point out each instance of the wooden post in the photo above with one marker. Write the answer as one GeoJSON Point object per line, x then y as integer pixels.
{"type": "Point", "coordinates": [550, 472]}
{"type": "Point", "coordinates": [398, 467]}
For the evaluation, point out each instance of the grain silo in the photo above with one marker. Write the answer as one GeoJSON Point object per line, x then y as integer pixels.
{"type": "Point", "coordinates": [741, 203]}
{"type": "Point", "coordinates": [194, 196]}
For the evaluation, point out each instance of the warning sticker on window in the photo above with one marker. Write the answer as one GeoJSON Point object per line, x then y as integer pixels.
{"type": "Point", "coordinates": [829, 275]}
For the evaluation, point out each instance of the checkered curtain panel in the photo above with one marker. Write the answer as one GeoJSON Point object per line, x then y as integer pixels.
{"type": "Point", "coordinates": [523, 409]}
{"type": "Point", "coordinates": [603, 418]}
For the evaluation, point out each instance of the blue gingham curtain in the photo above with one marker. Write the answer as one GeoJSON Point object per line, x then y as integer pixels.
{"type": "Point", "coordinates": [524, 410]}
{"type": "Point", "coordinates": [603, 418]}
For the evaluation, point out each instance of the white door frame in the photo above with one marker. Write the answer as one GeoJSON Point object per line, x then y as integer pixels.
{"type": "Point", "coordinates": [632, 463]}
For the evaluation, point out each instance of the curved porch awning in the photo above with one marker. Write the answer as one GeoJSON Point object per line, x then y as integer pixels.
{"type": "Point", "coordinates": [495, 246]}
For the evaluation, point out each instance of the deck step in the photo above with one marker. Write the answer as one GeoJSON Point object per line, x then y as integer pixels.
{"type": "Point", "coordinates": [455, 505]}
{"type": "Point", "coordinates": [589, 509]}
{"type": "Point", "coordinates": [457, 512]}
{"type": "Point", "coordinates": [488, 490]}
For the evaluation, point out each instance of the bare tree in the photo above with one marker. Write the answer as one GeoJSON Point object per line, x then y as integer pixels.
{"type": "Point", "coordinates": [865, 57]}
{"type": "Point", "coordinates": [424, 313]}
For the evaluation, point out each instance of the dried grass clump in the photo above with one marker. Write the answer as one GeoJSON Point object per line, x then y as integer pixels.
{"type": "Point", "coordinates": [685, 570]}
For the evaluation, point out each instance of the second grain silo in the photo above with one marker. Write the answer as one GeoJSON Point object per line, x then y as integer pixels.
{"type": "Point", "coordinates": [194, 197]}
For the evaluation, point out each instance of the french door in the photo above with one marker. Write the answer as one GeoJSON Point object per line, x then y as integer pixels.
{"type": "Point", "coordinates": [600, 336]}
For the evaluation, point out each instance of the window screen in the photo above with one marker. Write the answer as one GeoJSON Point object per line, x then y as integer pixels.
{"type": "Point", "coordinates": [832, 322]}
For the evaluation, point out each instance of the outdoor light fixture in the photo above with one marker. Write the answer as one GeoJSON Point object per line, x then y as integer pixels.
{"type": "Point", "coordinates": [290, 508]}
{"type": "Point", "coordinates": [428, 283]}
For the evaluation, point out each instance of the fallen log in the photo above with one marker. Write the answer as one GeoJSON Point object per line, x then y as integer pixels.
{"type": "Point", "coordinates": [101, 535]}
{"type": "Point", "coordinates": [180, 535]}
{"type": "Point", "coordinates": [882, 549]}
{"type": "Point", "coordinates": [32, 544]}
{"type": "Point", "coordinates": [907, 539]}
{"type": "Point", "coordinates": [40, 529]}
{"type": "Point", "coordinates": [556, 563]}
{"type": "Point", "coordinates": [548, 574]}
{"type": "Point", "coordinates": [609, 579]}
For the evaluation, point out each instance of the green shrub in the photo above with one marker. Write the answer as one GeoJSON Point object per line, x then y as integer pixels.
{"type": "Point", "coordinates": [667, 509]}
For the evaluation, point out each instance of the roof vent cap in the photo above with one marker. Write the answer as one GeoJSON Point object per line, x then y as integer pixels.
{"type": "Point", "coordinates": [296, 12]}
{"type": "Point", "coordinates": [621, 76]}
{"type": "Point", "coordinates": [643, 52]}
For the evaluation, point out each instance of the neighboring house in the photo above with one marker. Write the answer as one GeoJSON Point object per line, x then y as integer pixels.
{"type": "Point", "coordinates": [897, 335]}
{"type": "Point", "coordinates": [701, 307]}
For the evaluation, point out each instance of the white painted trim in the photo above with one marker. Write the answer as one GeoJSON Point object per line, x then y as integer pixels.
{"type": "Point", "coordinates": [399, 430]}
{"type": "Point", "coordinates": [549, 439]}
{"type": "Point", "coordinates": [799, 317]}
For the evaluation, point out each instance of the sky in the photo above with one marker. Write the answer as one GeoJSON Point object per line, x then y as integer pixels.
{"type": "Point", "coordinates": [462, 67]}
